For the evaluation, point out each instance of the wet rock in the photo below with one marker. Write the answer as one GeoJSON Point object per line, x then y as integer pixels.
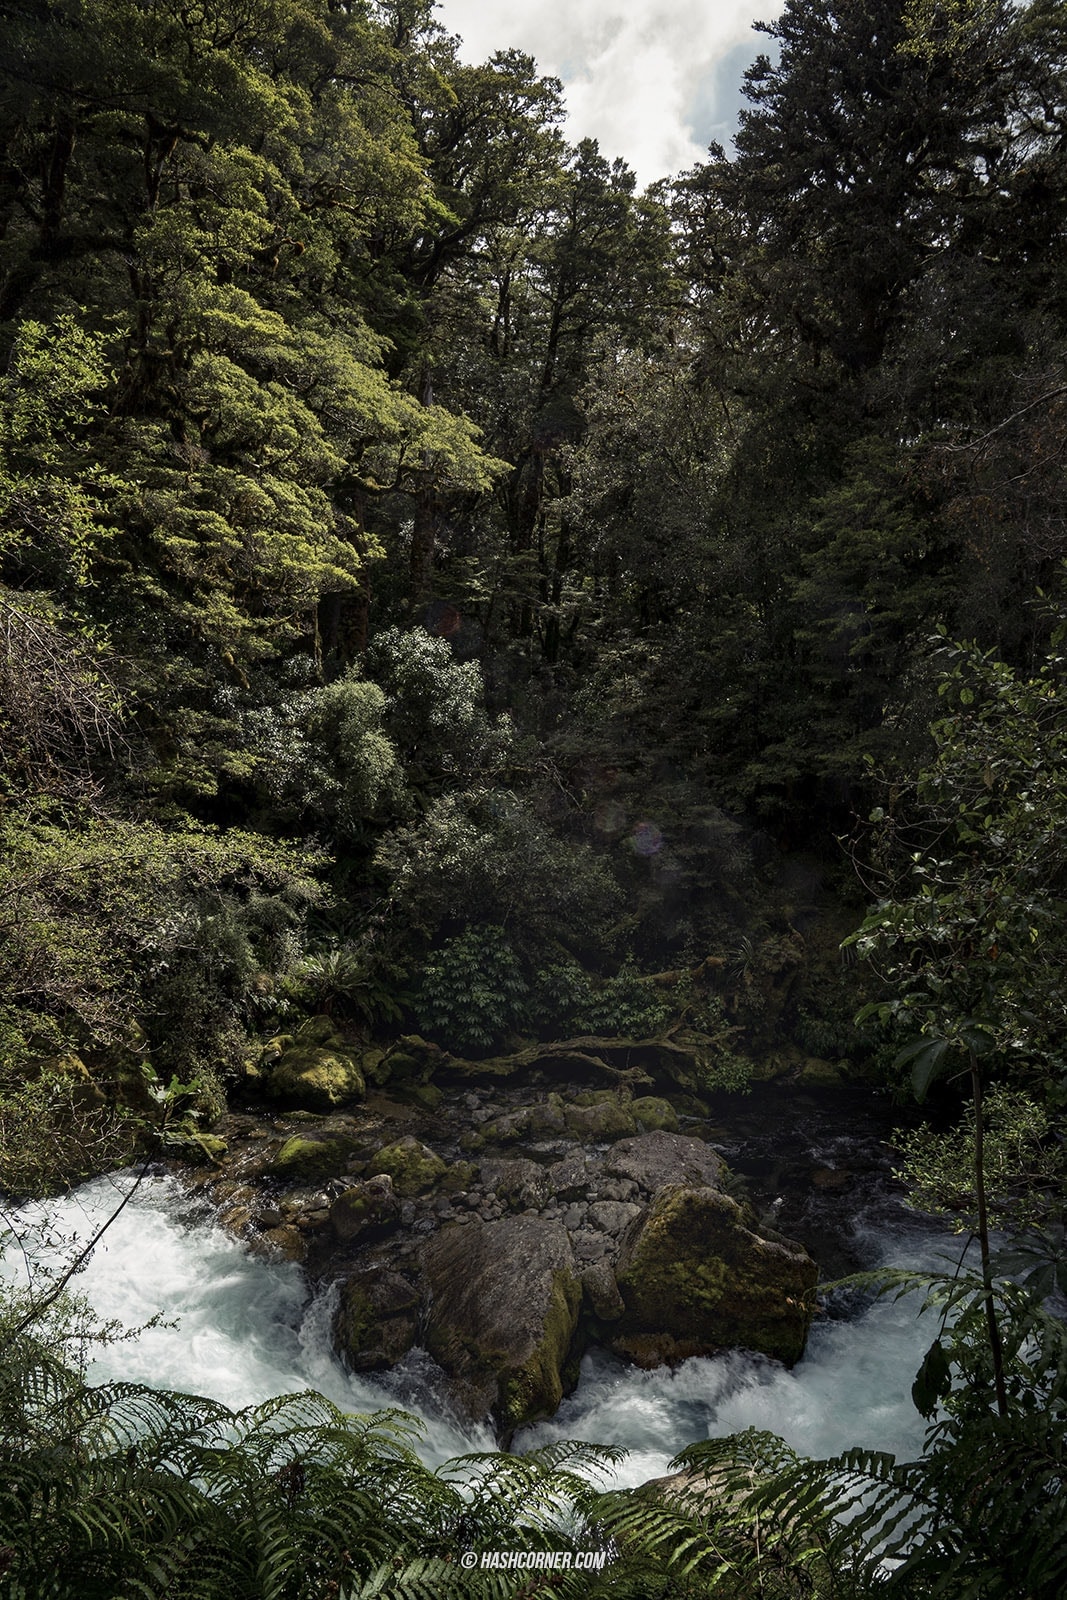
{"type": "Point", "coordinates": [655, 1160]}
{"type": "Point", "coordinates": [613, 1216]}
{"type": "Point", "coordinates": [366, 1211]}
{"type": "Point", "coordinates": [376, 1319]}
{"type": "Point", "coordinates": [503, 1301]}
{"type": "Point", "coordinates": [695, 1279]}
{"type": "Point", "coordinates": [571, 1178]}
{"type": "Point", "coordinates": [412, 1167]}
{"type": "Point", "coordinates": [315, 1160]}
{"type": "Point", "coordinates": [285, 1243]}
{"type": "Point", "coordinates": [602, 1292]}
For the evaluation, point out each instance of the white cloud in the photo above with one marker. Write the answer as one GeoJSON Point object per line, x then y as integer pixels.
{"type": "Point", "coordinates": [641, 78]}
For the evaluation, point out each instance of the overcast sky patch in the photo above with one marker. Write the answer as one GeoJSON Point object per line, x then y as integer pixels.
{"type": "Point", "coordinates": [654, 81]}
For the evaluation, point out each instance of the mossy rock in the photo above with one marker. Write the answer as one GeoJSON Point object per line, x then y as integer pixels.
{"type": "Point", "coordinates": [375, 1323]}
{"type": "Point", "coordinates": [191, 1145]}
{"type": "Point", "coordinates": [650, 1113]}
{"type": "Point", "coordinates": [411, 1060]}
{"type": "Point", "coordinates": [459, 1177]}
{"type": "Point", "coordinates": [696, 1279]}
{"type": "Point", "coordinates": [502, 1313]}
{"type": "Point", "coordinates": [316, 1077]}
{"type": "Point", "coordinates": [365, 1211]}
{"type": "Point", "coordinates": [319, 1030]}
{"type": "Point", "coordinates": [601, 1122]}
{"type": "Point", "coordinates": [412, 1167]}
{"type": "Point", "coordinates": [817, 1073]}
{"type": "Point", "coordinates": [311, 1160]}
{"type": "Point", "coordinates": [426, 1095]}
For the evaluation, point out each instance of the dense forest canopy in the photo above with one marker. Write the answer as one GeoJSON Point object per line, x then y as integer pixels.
{"type": "Point", "coordinates": [445, 588]}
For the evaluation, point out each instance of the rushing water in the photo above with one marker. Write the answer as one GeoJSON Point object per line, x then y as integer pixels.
{"type": "Point", "coordinates": [240, 1329]}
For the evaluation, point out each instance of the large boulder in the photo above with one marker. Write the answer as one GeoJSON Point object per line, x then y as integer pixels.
{"type": "Point", "coordinates": [695, 1279]}
{"type": "Point", "coordinates": [412, 1167]}
{"type": "Point", "coordinates": [656, 1160]}
{"type": "Point", "coordinates": [316, 1077]}
{"type": "Point", "coordinates": [503, 1301]}
{"type": "Point", "coordinates": [376, 1319]}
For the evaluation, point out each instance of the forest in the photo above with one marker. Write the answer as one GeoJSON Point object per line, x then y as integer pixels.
{"type": "Point", "coordinates": [448, 591]}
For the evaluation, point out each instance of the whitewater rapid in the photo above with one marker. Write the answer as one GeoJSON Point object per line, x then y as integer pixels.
{"type": "Point", "coordinates": [241, 1330]}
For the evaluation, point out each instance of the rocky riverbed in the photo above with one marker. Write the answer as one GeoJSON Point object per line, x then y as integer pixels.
{"type": "Point", "coordinates": [508, 1225]}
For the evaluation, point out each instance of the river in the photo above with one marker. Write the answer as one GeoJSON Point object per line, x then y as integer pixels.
{"type": "Point", "coordinates": [240, 1329]}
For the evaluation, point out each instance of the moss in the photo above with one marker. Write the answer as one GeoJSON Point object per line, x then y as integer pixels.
{"type": "Point", "coordinates": [311, 1160]}
{"type": "Point", "coordinates": [697, 1274]}
{"type": "Point", "coordinates": [412, 1167]}
{"type": "Point", "coordinates": [459, 1177]}
{"type": "Point", "coordinates": [535, 1388]}
{"type": "Point", "coordinates": [316, 1077]}
{"type": "Point", "coordinates": [653, 1113]}
{"type": "Point", "coordinates": [607, 1119]}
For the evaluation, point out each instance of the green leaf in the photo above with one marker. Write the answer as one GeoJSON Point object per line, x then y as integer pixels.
{"type": "Point", "coordinates": [933, 1381]}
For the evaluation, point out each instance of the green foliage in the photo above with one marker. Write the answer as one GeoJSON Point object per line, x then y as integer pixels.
{"type": "Point", "coordinates": [57, 1129]}
{"type": "Point", "coordinates": [1024, 1165]}
{"type": "Point", "coordinates": [107, 921]}
{"type": "Point", "coordinates": [969, 935]}
{"type": "Point", "coordinates": [471, 991]}
{"type": "Point", "coordinates": [484, 855]}
{"type": "Point", "coordinates": [327, 761]}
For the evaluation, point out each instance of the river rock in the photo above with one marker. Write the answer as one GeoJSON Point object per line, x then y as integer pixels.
{"type": "Point", "coordinates": [613, 1216]}
{"type": "Point", "coordinates": [655, 1160]}
{"type": "Point", "coordinates": [376, 1319]}
{"type": "Point", "coordinates": [519, 1181]}
{"type": "Point", "coordinates": [503, 1300]}
{"type": "Point", "coordinates": [602, 1292]}
{"type": "Point", "coordinates": [695, 1279]}
{"type": "Point", "coordinates": [412, 1167]}
{"type": "Point", "coordinates": [311, 1160]}
{"type": "Point", "coordinates": [572, 1178]}
{"type": "Point", "coordinates": [366, 1211]}
{"type": "Point", "coordinates": [316, 1077]}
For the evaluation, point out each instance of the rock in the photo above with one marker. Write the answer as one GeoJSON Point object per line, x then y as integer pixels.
{"type": "Point", "coordinates": [285, 1243]}
{"type": "Point", "coordinates": [651, 1113]}
{"type": "Point", "coordinates": [602, 1292]}
{"type": "Point", "coordinates": [410, 1061]}
{"type": "Point", "coordinates": [601, 1122]}
{"type": "Point", "coordinates": [503, 1308]}
{"type": "Point", "coordinates": [695, 1279]}
{"type": "Point", "coordinates": [316, 1077]}
{"type": "Point", "coordinates": [315, 1160]}
{"type": "Point", "coordinates": [516, 1180]}
{"type": "Point", "coordinates": [613, 1216]}
{"type": "Point", "coordinates": [571, 1178]}
{"type": "Point", "coordinates": [540, 1121]}
{"type": "Point", "coordinates": [655, 1160]}
{"type": "Point", "coordinates": [366, 1211]}
{"type": "Point", "coordinates": [376, 1319]}
{"type": "Point", "coordinates": [412, 1167]}
{"type": "Point", "coordinates": [590, 1246]}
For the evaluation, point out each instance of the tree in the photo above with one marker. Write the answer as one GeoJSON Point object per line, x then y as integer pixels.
{"type": "Point", "coordinates": [968, 935]}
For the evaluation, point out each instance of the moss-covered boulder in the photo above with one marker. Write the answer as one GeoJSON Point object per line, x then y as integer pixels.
{"type": "Point", "coordinates": [412, 1167]}
{"type": "Point", "coordinates": [316, 1077]}
{"type": "Point", "coordinates": [694, 1279]}
{"type": "Point", "coordinates": [651, 1114]}
{"type": "Point", "coordinates": [502, 1309]}
{"type": "Point", "coordinates": [311, 1160]}
{"type": "Point", "coordinates": [606, 1119]}
{"type": "Point", "coordinates": [376, 1319]}
{"type": "Point", "coordinates": [366, 1211]}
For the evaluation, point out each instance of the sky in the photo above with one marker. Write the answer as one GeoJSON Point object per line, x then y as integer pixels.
{"type": "Point", "coordinates": [655, 81]}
